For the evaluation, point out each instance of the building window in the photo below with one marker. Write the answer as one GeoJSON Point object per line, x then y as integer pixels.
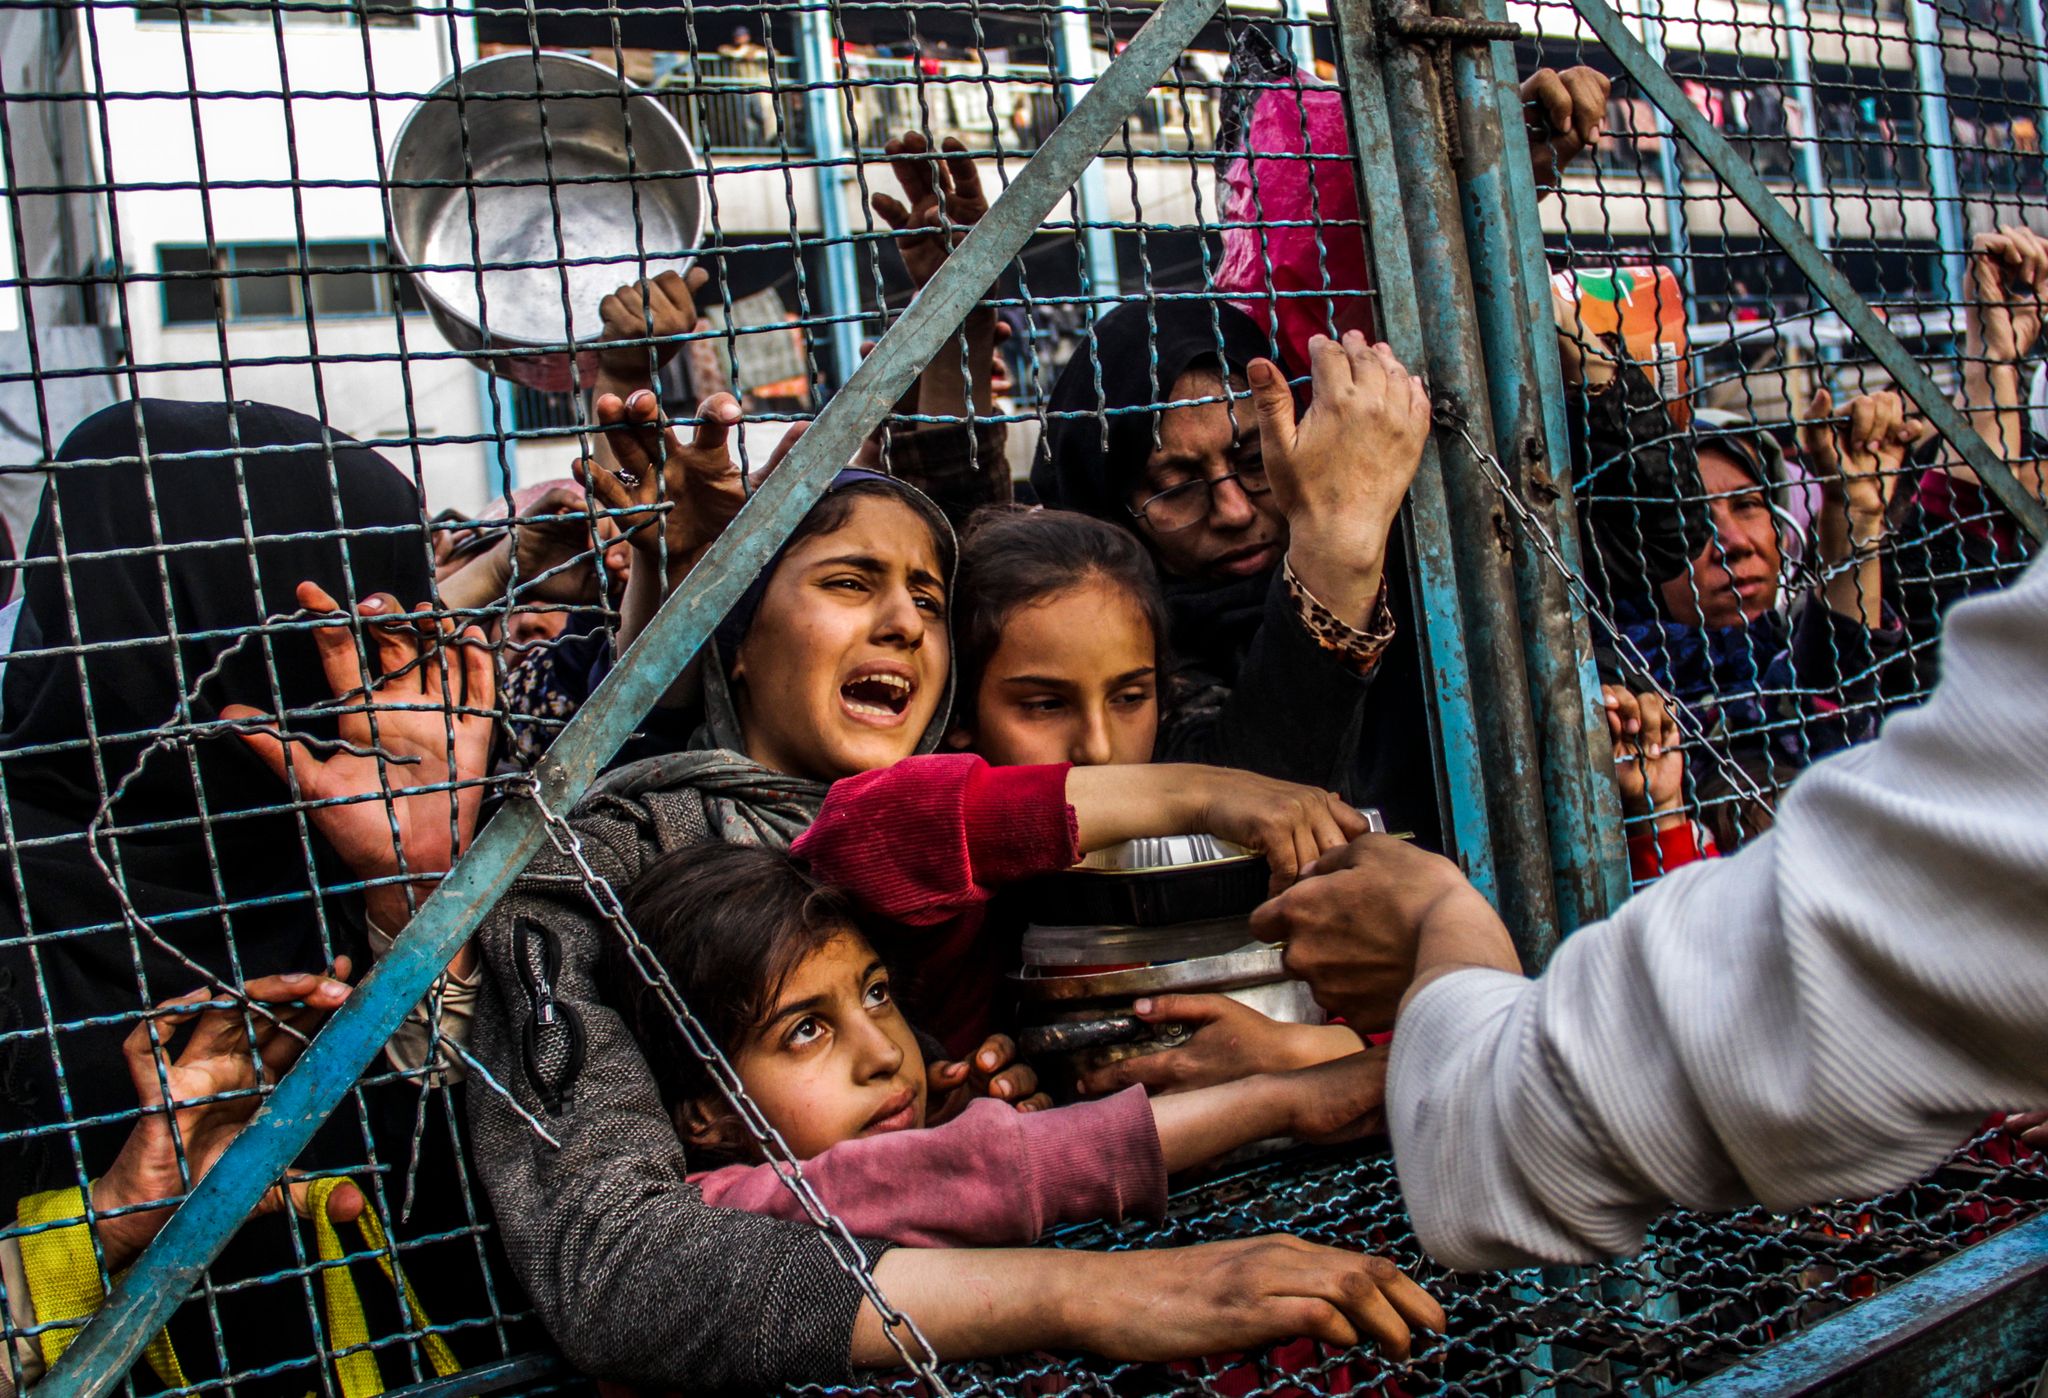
{"type": "Point", "coordinates": [382, 14]}
{"type": "Point", "coordinates": [262, 281]}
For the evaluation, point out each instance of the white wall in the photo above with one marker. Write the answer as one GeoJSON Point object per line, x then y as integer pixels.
{"type": "Point", "coordinates": [259, 138]}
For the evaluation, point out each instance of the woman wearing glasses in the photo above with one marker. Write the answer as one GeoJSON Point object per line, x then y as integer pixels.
{"type": "Point", "coordinates": [1274, 533]}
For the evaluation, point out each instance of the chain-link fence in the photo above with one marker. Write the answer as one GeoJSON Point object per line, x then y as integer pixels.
{"type": "Point", "coordinates": [314, 310]}
{"type": "Point", "coordinates": [1906, 138]}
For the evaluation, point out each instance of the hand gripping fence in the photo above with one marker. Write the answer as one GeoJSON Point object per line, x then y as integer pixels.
{"type": "Point", "coordinates": [144, 1298]}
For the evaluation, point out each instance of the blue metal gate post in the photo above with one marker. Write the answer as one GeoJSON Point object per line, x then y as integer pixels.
{"type": "Point", "coordinates": [1479, 532]}
{"type": "Point", "coordinates": [2034, 25]}
{"type": "Point", "coordinates": [1806, 154]}
{"type": "Point", "coordinates": [1461, 770]}
{"type": "Point", "coordinates": [1937, 137]}
{"type": "Point", "coordinates": [1670, 176]}
{"type": "Point", "coordinates": [819, 66]}
{"type": "Point", "coordinates": [1074, 51]}
{"type": "Point", "coordinates": [146, 1295]}
{"type": "Point", "coordinates": [1511, 282]}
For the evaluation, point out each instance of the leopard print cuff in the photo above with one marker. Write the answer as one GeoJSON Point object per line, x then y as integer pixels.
{"type": "Point", "coordinates": [1361, 650]}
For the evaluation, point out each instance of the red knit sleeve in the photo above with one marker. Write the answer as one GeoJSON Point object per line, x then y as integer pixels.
{"type": "Point", "coordinates": [1655, 853]}
{"type": "Point", "coordinates": [929, 838]}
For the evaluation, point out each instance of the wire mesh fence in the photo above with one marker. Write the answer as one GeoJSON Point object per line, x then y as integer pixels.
{"type": "Point", "coordinates": [323, 294]}
{"type": "Point", "coordinates": [1705, 1292]}
{"type": "Point", "coordinates": [1905, 138]}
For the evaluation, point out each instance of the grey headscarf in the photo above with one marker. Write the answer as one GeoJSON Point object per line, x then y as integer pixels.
{"type": "Point", "coordinates": [744, 802]}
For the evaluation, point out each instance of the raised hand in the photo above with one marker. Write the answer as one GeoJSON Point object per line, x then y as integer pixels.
{"type": "Point", "coordinates": [991, 1071]}
{"type": "Point", "coordinates": [211, 1089]}
{"type": "Point", "coordinates": [2008, 276]}
{"type": "Point", "coordinates": [1564, 112]}
{"type": "Point", "coordinates": [699, 481]}
{"type": "Point", "coordinates": [429, 732]}
{"type": "Point", "coordinates": [1340, 472]}
{"type": "Point", "coordinates": [1649, 766]}
{"type": "Point", "coordinates": [1858, 462]}
{"type": "Point", "coordinates": [945, 197]}
{"type": "Point", "coordinates": [658, 308]}
{"type": "Point", "coordinates": [1367, 920]}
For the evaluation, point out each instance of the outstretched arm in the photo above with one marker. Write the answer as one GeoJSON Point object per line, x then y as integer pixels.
{"type": "Point", "coordinates": [1777, 1027]}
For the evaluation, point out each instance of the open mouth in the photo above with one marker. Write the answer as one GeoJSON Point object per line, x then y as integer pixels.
{"type": "Point", "coordinates": [878, 695]}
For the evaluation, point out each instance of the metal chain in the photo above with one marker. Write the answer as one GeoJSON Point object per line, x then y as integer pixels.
{"type": "Point", "coordinates": [1451, 413]}
{"type": "Point", "coordinates": [846, 1252]}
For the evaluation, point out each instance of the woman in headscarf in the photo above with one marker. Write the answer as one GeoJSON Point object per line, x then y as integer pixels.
{"type": "Point", "coordinates": [1276, 540]}
{"type": "Point", "coordinates": [837, 661]}
{"type": "Point", "coordinates": [169, 579]}
{"type": "Point", "coordinates": [1776, 682]}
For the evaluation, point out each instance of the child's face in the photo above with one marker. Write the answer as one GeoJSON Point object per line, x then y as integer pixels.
{"type": "Point", "coordinates": [846, 661]}
{"type": "Point", "coordinates": [1073, 680]}
{"type": "Point", "coordinates": [836, 1059]}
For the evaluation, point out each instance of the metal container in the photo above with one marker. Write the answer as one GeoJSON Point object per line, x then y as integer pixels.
{"type": "Point", "coordinates": [1162, 916]}
{"type": "Point", "coordinates": [492, 215]}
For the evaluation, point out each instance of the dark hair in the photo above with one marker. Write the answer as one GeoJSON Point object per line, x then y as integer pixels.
{"type": "Point", "coordinates": [830, 513]}
{"type": "Point", "coordinates": [729, 924]}
{"type": "Point", "coordinates": [1014, 557]}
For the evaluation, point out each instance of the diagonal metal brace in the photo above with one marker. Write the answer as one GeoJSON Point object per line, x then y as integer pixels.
{"type": "Point", "coordinates": [158, 1283]}
{"type": "Point", "coordinates": [1784, 229]}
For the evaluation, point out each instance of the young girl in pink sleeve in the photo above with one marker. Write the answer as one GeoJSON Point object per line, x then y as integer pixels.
{"type": "Point", "coordinates": [780, 971]}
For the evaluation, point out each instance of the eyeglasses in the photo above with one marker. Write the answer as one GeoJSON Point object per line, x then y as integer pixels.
{"type": "Point", "coordinates": [1188, 504]}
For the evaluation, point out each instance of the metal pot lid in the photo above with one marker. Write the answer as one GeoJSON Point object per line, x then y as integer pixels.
{"type": "Point", "coordinates": [1163, 852]}
{"type": "Point", "coordinates": [1047, 948]}
{"type": "Point", "coordinates": [1155, 852]}
{"type": "Point", "coordinates": [1254, 965]}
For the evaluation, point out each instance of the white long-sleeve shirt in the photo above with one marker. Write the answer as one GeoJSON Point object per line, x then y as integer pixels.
{"type": "Point", "coordinates": [1825, 1014]}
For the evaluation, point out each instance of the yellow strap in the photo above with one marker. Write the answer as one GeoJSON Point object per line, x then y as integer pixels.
{"type": "Point", "coordinates": [64, 1278]}
{"type": "Point", "coordinates": [347, 1327]}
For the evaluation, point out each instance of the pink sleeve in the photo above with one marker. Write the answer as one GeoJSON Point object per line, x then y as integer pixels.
{"type": "Point", "coordinates": [991, 1177]}
{"type": "Point", "coordinates": [925, 840]}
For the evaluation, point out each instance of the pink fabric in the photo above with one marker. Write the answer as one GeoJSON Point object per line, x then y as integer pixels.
{"type": "Point", "coordinates": [991, 1177]}
{"type": "Point", "coordinates": [1260, 263]}
{"type": "Point", "coordinates": [927, 843]}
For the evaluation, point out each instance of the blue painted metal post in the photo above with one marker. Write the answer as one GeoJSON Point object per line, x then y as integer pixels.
{"type": "Point", "coordinates": [1670, 176]}
{"type": "Point", "coordinates": [1938, 140]}
{"type": "Point", "coordinates": [819, 66]}
{"type": "Point", "coordinates": [144, 1298]}
{"type": "Point", "coordinates": [1452, 361]}
{"type": "Point", "coordinates": [1447, 670]}
{"type": "Point", "coordinates": [1511, 283]}
{"type": "Point", "coordinates": [2035, 27]}
{"type": "Point", "coordinates": [1810, 168]}
{"type": "Point", "coordinates": [1301, 35]}
{"type": "Point", "coordinates": [1806, 151]}
{"type": "Point", "coordinates": [1784, 230]}
{"type": "Point", "coordinates": [1074, 52]}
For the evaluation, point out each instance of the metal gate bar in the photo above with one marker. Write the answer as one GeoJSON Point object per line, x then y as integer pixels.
{"type": "Point", "coordinates": [1782, 228]}
{"type": "Point", "coordinates": [158, 1283]}
{"type": "Point", "coordinates": [1972, 1322]}
{"type": "Point", "coordinates": [1511, 285]}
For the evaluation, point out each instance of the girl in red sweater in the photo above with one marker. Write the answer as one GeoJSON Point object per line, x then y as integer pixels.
{"type": "Point", "coordinates": [1059, 627]}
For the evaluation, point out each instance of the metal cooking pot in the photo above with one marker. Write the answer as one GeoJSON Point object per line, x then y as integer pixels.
{"type": "Point", "coordinates": [494, 221]}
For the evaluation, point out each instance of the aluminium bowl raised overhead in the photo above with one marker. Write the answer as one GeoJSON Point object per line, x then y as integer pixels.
{"type": "Point", "coordinates": [523, 178]}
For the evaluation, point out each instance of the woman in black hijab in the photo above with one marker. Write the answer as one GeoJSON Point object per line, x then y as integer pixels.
{"type": "Point", "coordinates": [163, 586]}
{"type": "Point", "coordinates": [1255, 687]}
